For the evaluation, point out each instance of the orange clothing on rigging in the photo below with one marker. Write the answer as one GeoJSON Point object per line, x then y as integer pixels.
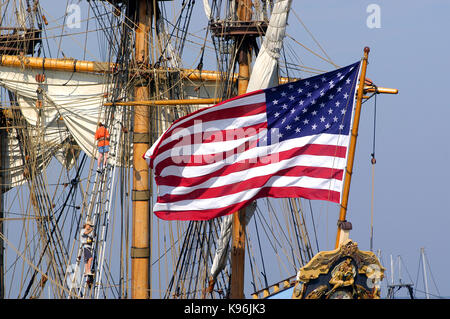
{"type": "Point", "coordinates": [102, 136]}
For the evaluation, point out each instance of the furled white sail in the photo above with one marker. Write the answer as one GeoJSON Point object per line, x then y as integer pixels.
{"type": "Point", "coordinates": [75, 97]}
{"type": "Point", "coordinates": [265, 69]}
{"type": "Point", "coordinates": [264, 75]}
{"type": "Point", "coordinates": [207, 9]}
{"type": "Point", "coordinates": [71, 106]}
{"type": "Point", "coordinates": [54, 140]}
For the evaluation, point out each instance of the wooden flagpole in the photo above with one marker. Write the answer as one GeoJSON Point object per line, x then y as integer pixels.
{"type": "Point", "coordinates": [343, 226]}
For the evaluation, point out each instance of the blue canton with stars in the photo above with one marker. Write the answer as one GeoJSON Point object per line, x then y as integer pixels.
{"type": "Point", "coordinates": [320, 104]}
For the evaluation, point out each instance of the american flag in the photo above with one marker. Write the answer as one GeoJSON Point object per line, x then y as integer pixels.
{"type": "Point", "coordinates": [286, 141]}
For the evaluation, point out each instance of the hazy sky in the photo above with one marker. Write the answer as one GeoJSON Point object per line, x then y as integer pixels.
{"type": "Point", "coordinates": [409, 51]}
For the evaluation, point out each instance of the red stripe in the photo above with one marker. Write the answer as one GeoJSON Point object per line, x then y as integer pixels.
{"type": "Point", "coordinates": [252, 183]}
{"type": "Point", "coordinates": [175, 124]}
{"type": "Point", "coordinates": [214, 136]}
{"type": "Point", "coordinates": [201, 160]}
{"type": "Point", "coordinates": [310, 149]}
{"type": "Point", "coordinates": [223, 114]}
{"type": "Point", "coordinates": [282, 192]}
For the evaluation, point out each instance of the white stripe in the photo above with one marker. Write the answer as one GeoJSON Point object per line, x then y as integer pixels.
{"type": "Point", "coordinates": [227, 200]}
{"type": "Point", "coordinates": [187, 146]}
{"type": "Point", "coordinates": [236, 177]}
{"type": "Point", "coordinates": [257, 152]}
{"type": "Point", "coordinates": [212, 126]}
{"type": "Point", "coordinates": [207, 149]}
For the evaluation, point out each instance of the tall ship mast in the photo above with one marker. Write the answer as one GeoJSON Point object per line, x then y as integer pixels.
{"type": "Point", "coordinates": [155, 68]}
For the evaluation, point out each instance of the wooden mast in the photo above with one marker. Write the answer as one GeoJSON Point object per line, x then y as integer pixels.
{"type": "Point", "coordinates": [244, 13]}
{"type": "Point", "coordinates": [140, 250]}
{"type": "Point", "coordinates": [343, 226]}
{"type": "Point", "coordinates": [2, 161]}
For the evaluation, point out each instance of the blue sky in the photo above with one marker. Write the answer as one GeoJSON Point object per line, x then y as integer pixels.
{"type": "Point", "coordinates": [410, 52]}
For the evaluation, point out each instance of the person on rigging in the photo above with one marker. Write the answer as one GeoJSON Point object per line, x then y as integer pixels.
{"type": "Point", "coordinates": [102, 136]}
{"type": "Point", "coordinates": [86, 238]}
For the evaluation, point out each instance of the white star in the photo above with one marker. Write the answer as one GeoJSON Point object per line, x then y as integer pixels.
{"type": "Point", "coordinates": [324, 79]}
{"type": "Point", "coordinates": [314, 113]}
{"type": "Point", "coordinates": [307, 83]}
{"type": "Point", "coordinates": [299, 90]}
{"type": "Point", "coordinates": [314, 126]}
{"type": "Point", "coordinates": [339, 74]}
{"type": "Point", "coordinates": [284, 106]}
{"type": "Point", "coordinates": [283, 93]}
{"type": "Point", "coordinates": [327, 126]}
{"type": "Point", "coordinates": [284, 120]}
{"type": "Point", "coordinates": [280, 135]}
{"type": "Point", "coordinates": [316, 86]}
{"type": "Point", "coordinates": [277, 114]}
{"type": "Point", "coordinates": [337, 103]}
{"type": "Point", "coordinates": [341, 127]}
{"type": "Point", "coordinates": [339, 89]}
{"type": "Point", "coordinates": [275, 102]}
{"type": "Point", "coordinates": [297, 118]}
{"type": "Point", "coordinates": [347, 81]}
{"type": "Point", "coordinates": [290, 86]}
{"type": "Point", "coordinates": [345, 95]}
{"type": "Point", "coordinates": [331, 96]}
{"type": "Point", "coordinates": [322, 104]}
{"type": "Point", "coordinates": [297, 130]}
{"type": "Point", "coordinates": [321, 93]}
{"type": "Point", "coordinates": [313, 102]}
{"type": "Point", "coordinates": [291, 98]}
{"type": "Point", "coordinates": [335, 119]}
{"type": "Point", "coordinates": [331, 84]}
{"type": "Point", "coordinates": [301, 102]}
{"type": "Point", "coordinates": [330, 111]}
{"type": "Point", "coordinates": [305, 121]}
{"type": "Point", "coordinates": [309, 94]}
{"type": "Point", "coordinates": [305, 110]}
{"type": "Point", "coordinates": [288, 127]}
{"type": "Point", "coordinates": [343, 111]}
{"type": "Point", "coordinates": [292, 111]}
{"type": "Point", "coordinates": [322, 119]}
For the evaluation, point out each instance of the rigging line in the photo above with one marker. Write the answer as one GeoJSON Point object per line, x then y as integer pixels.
{"type": "Point", "coordinates": [311, 51]}
{"type": "Point", "coordinates": [300, 230]}
{"type": "Point", "coordinates": [196, 238]}
{"type": "Point", "coordinates": [181, 261]}
{"type": "Point", "coordinates": [30, 263]}
{"type": "Point", "coordinates": [185, 266]}
{"type": "Point", "coordinates": [46, 245]}
{"type": "Point", "coordinates": [314, 39]}
{"type": "Point", "coordinates": [314, 225]}
{"type": "Point", "coordinates": [285, 237]}
{"type": "Point", "coordinates": [251, 258]}
{"type": "Point", "coordinates": [431, 273]}
{"type": "Point", "coordinates": [62, 31]}
{"type": "Point", "coordinates": [373, 161]}
{"type": "Point", "coordinates": [86, 36]}
{"type": "Point", "coordinates": [275, 239]}
{"type": "Point", "coordinates": [260, 252]}
{"type": "Point", "coordinates": [433, 295]}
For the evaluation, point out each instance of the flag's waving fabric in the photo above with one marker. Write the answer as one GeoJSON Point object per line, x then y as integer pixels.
{"type": "Point", "coordinates": [286, 141]}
